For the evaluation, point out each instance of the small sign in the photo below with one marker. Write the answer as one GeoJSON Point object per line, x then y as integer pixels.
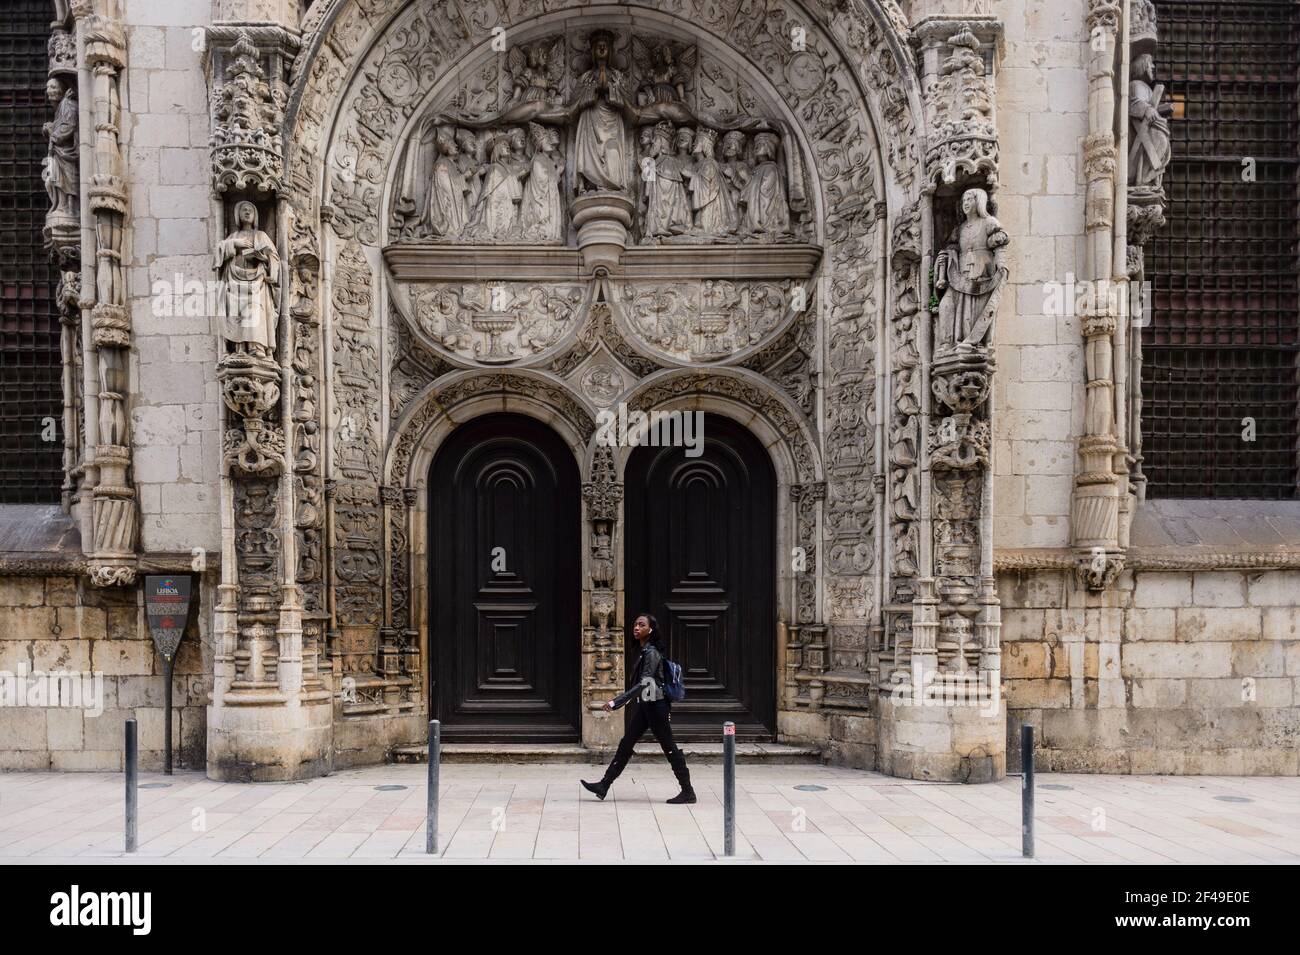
{"type": "Point", "coordinates": [728, 729]}
{"type": "Point", "coordinates": [167, 608]}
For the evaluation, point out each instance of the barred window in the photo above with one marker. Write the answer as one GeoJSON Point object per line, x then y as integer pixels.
{"type": "Point", "coordinates": [1219, 355]}
{"type": "Point", "coordinates": [31, 396]}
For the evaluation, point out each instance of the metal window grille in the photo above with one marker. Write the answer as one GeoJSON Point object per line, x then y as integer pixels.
{"type": "Point", "coordinates": [31, 468]}
{"type": "Point", "coordinates": [1220, 351]}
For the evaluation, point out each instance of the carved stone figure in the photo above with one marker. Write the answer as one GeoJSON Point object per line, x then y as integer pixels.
{"type": "Point", "coordinates": [766, 210]}
{"type": "Point", "coordinates": [536, 71]}
{"type": "Point", "coordinates": [250, 274]}
{"type": "Point", "coordinates": [667, 211]}
{"type": "Point", "coordinates": [471, 160]}
{"type": "Point", "coordinates": [1149, 126]}
{"type": "Point", "coordinates": [540, 214]}
{"type": "Point", "coordinates": [970, 273]}
{"type": "Point", "coordinates": [600, 143]}
{"type": "Point", "coordinates": [448, 205]}
{"type": "Point", "coordinates": [503, 191]}
{"type": "Point", "coordinates": [709, 195]}
{"type": "Point", "coordinates": [736, 172]}
{"type": "Point", "coordinates": [60, 173]}
{"type": "Point", "coordinates": [667, 74]}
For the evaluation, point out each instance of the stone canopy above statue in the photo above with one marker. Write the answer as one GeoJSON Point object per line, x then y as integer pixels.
{"type": "Point", "coordinates": [600, 138]}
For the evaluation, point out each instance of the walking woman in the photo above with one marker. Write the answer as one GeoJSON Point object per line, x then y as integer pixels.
{"type": "Point", "coordinates": [653, 712]}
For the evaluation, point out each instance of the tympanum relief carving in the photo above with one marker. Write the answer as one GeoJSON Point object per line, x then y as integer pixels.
{"type": "Point", "coordinates": [612, 116]}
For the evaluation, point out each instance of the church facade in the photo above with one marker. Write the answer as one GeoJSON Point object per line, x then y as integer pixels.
{"type": "Point", "coordinates": [434, 340]}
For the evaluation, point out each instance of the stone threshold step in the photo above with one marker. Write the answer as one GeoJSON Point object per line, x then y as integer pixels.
{"type": "Point", "coordinates": [770, 753]}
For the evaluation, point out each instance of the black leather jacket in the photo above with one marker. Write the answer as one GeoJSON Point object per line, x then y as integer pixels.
{"type": "Point", "coordinates": [649, 667]}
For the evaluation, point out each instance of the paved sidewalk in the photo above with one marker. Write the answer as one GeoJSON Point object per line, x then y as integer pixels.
{"type": "Point", "coordinates": [539, 812]}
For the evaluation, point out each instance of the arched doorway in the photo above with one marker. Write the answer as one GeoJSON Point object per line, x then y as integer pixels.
{"type": "Point", "coordinates": [504, 583]}
{"type": "Point", "coordinates": [701, 555]}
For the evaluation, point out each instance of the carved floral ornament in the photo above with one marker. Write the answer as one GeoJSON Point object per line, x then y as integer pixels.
{"type": "Point", "coordinates": [700, 321]}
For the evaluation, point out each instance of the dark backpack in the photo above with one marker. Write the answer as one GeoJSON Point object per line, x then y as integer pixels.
{"type": "Point", "coordinates": [673, 688]}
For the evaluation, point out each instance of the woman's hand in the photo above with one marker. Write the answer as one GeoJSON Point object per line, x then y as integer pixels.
{"type": "Point", "coordinates": [609, 706]}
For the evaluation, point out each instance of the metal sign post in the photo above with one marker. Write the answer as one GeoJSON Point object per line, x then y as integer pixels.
{"type": "Point", "coordinates": [167, 608]}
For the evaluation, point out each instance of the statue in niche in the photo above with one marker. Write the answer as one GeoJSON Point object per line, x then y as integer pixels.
{"type": "Point", "coordinates": [970, 273]}
{"type": "Point", "coordinates": [766, 210]}
{"type": "Point", "coordinates": [1148, 117]}
{"type": "Point", "coordinates": [709, 196]}
{"type": "Point", "coordinates": [59, 172]}
{"type": "Point", "coordinates": [250, 276]}
{"type": "Point", "coordinates": [667, 210]}
{"type": "Point", "coordinates": [540, 214]}
{"type": "Point", "coordinates": [503, 191]}
{"type": "Point", "coordinates": [448, 195]}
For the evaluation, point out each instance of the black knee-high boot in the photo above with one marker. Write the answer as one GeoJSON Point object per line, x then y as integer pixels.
{"type": "Point", "coordinates": [677, 759]}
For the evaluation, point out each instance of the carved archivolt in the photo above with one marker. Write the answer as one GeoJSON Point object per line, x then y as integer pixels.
{"type": "Point", "coordinates": [747, 391]}
{"type": "Point", "coordinates": [448, 393]}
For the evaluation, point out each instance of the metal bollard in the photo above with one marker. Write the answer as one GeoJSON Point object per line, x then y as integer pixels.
{"type": "Point", "coordinates": [132, 784]}
{"type": "Point", "coordinates": [168, 664]}
{"type": "Point", "coordinates": [435, 759]}
{"type": "Point", "coordinates": [729, 789]}
{"type": "Point", "coordinates": [1027, 791]}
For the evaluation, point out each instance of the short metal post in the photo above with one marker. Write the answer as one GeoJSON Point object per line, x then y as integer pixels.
{"type": "Point", "coordinates": [132, 784]}
{"type": "Point", "coordinates": [435, 758]}
{"type": "Point", "coordinates": [168, 664]}
{"type": "Point", "coordinates": [729, 789]}
{"type": "Point", "coordinates": [1027, 791]}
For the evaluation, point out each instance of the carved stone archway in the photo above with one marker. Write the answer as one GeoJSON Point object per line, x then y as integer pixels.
{"type": "Point", "coordinates": [834, 360]}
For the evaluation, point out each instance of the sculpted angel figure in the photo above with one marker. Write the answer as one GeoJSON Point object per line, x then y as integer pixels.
{"type": "Point", "coordinates": [766, 209]}
{"type": "Point", "coordinates": [970, 273]}
{"type": "Point", "coordinates": [536, 71]}
{"type": "Point", "coordinates": [540, 213]}
{"type": "Point", "coordinates": [250, 277]}
{"type": "Point", "coordinates": [667, 74]}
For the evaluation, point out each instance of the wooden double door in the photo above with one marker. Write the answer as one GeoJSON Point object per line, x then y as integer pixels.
{"type": "Point", "coordinates": [505, 535]}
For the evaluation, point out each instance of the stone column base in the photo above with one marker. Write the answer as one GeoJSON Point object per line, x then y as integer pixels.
{"type": "Point", "coordinates": [265, 744]}
{"type": "Point", "coordinates": [964, 743]}
{"type": "Point", "coordinates": [602, 731]}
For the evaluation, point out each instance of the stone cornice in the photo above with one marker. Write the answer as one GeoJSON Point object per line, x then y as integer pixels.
{"type": "Point", "coordinates": [1152, 559]}
{"type": "Point", "coordinates": [477, 263]}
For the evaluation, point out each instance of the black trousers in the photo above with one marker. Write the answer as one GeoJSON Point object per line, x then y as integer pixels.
{"type": "Point", "coordinates": [654, 716]}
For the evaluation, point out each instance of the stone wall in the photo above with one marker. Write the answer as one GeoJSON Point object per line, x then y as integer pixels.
{"type": "Point", "coordinates": [1171, 672]}
{"type": "Point", "coordinates": [62, 624]}
{"type": "Point", "coordinates": [176, 409]}
{"type": "Point", "coordinates": [1039, 387]}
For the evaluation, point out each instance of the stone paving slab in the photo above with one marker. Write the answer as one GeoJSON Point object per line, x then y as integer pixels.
{"type": "Point", "coordinates": [513, 813]}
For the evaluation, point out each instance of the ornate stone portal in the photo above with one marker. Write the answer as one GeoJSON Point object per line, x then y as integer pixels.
{"type": "Point", "coordinates": [442, 209]}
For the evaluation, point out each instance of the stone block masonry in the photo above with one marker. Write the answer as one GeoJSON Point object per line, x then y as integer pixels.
{"type": "Point", "coordinates": [1181, 672]}
{"type": "Point", "coordinates": [62, 625]}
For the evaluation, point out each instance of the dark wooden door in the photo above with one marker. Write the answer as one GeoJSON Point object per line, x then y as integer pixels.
{"type": "Point", "coordinates": [701, 556]}
{"type": "Point", "coordinates": [503, 582]}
